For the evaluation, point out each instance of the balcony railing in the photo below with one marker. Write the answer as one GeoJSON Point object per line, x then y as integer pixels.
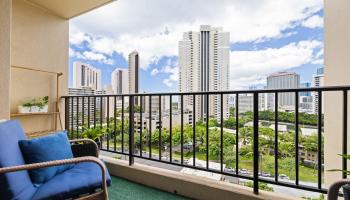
{"type": "Point", "coordinates": [131, 120]}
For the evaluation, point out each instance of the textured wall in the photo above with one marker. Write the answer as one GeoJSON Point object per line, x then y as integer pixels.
{"type": "Point", "coordinates": [39, 40]}
{"type": "Point", "coordinates": [5, 38]}
{"type": "Point", "coordinates": [337, 72]}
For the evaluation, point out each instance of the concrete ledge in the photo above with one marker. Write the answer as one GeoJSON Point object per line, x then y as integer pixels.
{"type": "Point", "coordinates": [183, 184]}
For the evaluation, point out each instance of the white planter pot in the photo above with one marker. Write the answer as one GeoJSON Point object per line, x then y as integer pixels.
{"type": "Point", "coordinates": [34, 109]}
{"type": "Point", "coordinates": [23, 109]}
{"type": "Point", "coordinates": [44, 109]}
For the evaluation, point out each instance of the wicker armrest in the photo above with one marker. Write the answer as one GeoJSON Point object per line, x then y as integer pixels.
{"type": "Point", "coordinates": [333, 190]}
{"type": "Point", "coordinates": [62, 162]}
{"type": "Point", "coordinates": [84, 147]}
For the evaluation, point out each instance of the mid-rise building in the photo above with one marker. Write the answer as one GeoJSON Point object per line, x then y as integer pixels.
{"type": "Point", "coordinates": [120, 81]}
{"type": "Point", "coordinates": [90, 106]}
{"type": "Point", "coordinates": [204, 66]}
{"type": "Point", "coordinates": [283, 80]}
{"type": "Point", "coordinates": [85, 75]}
{"type": "Point", "coordinates": [318, 81]}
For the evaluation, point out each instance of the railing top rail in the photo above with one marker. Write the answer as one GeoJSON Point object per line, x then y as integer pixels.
{"type": "Point", "coordinates": [311, 89]}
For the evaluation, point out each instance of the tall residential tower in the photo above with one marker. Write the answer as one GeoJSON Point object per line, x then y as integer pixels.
{"type": "Point", "coordinates": [204, 66]}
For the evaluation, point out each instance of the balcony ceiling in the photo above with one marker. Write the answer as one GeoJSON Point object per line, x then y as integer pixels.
{"type": "Point", "coordinates": [69, 8]}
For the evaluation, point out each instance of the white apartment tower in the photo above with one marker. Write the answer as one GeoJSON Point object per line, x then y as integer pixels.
{"type": "Point", "coordinates": [133, 72]}
{"type": "Point", "coordinates": [120, 81]}
{"type": "Point", "coordinates": [204, 66]}
{"type": "Point", "coordinates": [283, 80]}
{"type": "Point", "coordinates": [85, 75]}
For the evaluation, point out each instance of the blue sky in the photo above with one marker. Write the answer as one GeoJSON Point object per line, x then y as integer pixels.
{"type": "Point", "coordinates": [265, 38]}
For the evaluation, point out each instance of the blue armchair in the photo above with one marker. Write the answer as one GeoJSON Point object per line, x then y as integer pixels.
{"type": "Point", "coordinates": [88, 179]}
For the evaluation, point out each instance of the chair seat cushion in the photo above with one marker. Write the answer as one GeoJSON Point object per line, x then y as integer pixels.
{"type": "Point", "coordinates": [82, 178]}
{"type": "Point", "coordinates": [47, 148]}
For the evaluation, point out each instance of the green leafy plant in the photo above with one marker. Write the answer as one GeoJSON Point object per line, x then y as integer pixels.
{"type": "Point", "coordinates": [340, 170]}
{"type": "Point", "coordinates": [262, 186]}
{"type": "Point", "coordinates": [93, 133]}
{"type": "Point", "coordinates": [41, 101]}
{"type": "Point", "coordinates": [28, 103]}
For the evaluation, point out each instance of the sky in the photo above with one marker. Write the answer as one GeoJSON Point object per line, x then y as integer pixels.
{"type": "Point", "coordinates": [266, 36]}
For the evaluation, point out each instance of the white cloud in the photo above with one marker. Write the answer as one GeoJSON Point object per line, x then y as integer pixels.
{"type": "Point", "coordinates": [115, 28]}
{"type": "Point", "coordinates": [173, 75]}
{"type": "Point", "coordinates": [314, 21]}
{"type": "Point", "coordinates": [154, 72]}
{"type": "Point", "coordinates": [252, 67]}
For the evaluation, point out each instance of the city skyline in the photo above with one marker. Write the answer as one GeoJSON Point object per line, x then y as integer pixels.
{"type": "Point", "coordinates": [293, 43]}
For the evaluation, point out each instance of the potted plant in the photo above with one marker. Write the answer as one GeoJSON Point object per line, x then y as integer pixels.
{"type": "Point", "coordinates": [25, 107]}
{"type": "Point", "coordinates": [346, 187]}
{"type": "Point", "coordinates": [93, 133]}
{"type": "Point", "coordinates": [43, 104]}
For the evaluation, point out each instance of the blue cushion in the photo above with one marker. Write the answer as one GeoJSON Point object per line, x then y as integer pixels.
{"type": "Point", "coordinates": [15, 185]}
{"type": "Point", "coordinates": [47, 148]}
{"type": "Point", "coordinates": [82, 178]}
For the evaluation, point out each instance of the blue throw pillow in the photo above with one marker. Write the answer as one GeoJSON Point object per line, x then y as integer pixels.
{"type": "Point", "coordinates": [47, 148]}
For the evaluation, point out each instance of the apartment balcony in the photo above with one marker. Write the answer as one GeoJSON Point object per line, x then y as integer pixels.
{"type": "Point", "coordinates": [175, 146]}
{"type": "Point", "coordinates": [34, 46]}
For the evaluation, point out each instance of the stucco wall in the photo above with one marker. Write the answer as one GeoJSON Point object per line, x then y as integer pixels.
{"type": "Point", "coordinates": [39, 40]}
{"type": "Point", "coordinates": [5, 36]}
{"type": "Point", "coordinates": [337, 72]}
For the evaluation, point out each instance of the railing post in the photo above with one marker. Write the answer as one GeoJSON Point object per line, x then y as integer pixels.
{"type": "Point", "coordinates": [66, 115]}
{"type": "Point", "coordinates": [256, 143]}
{"type": "Point", "coordinates": [131, 130]}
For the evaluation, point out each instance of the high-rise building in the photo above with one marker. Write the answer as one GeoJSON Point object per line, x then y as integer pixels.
{"type": "Point", "coordinates": [318, 81]}
{"type": "Point", "coordinates": [283, 80]}
{"type": "Point", "coordinates": [85, 75]}
{"type": "Point", "coordinates": [133, 72]}
{"type": "Point", "coordinates": [204, 66]}
{"type": "Point", "coordinates": [120, 81]}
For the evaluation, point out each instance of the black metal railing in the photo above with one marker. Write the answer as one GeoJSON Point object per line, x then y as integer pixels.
{"type": "Point", "coordinates": [133, 110]}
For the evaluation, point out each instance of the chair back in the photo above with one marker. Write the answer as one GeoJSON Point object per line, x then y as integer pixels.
{"type": "Point", "coordinates": [15, 185]}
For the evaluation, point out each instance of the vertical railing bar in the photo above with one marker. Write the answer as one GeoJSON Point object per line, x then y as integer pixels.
{"type": "Point", "coordinates": [72, 117]}
{"type": "Point", "coordinates": [297, 138]}
{"type": "Point", "coordinates": [237, 129]}
{"type": "Point", "coordinates": [222, 132]}
{"type": "Point", "coordinates": [101, 119]}
{"type": "Point", "coordinates": [150, 127]}
{"type": "Point", "coordinates": [66, 115]}
{"type": "Point", "coordinates": [141, 125]}
{"type": "Point", "coordinates": [171, 127]}
{"type": "Point", "coordinates": [77, 119]}
{"type": "Point", "coordinates": [122, 124]}
{"type": "Point", "coordinates": [115, 124]}
{"type": "Point", "coordinates": [88, 117]}
{"type": "Point", "coordinates": [194, 129]}
{"type": "Point", "coordinates": [95, 112]}
{"type": "Point", "coordinates": [319, 142]}
{"type": "Point", "coordinates": [182, 129]}
{"type": "Point", "coordinates": [83, 112]}
{"type": "Point", "coordinates": [108, 130]}
{"type": "Point", "coordinates": [345, 132]}
{"type": "Point", "coordinates": [256, 144]}
{"type": "Point", "coordinates": [131, 130]}
{"type": "Point", "coordinates": [207, 131]}
{"type": "Point", "coordinates": [160, 128]}
{"type": "Point", "coordinates": [276, 136]}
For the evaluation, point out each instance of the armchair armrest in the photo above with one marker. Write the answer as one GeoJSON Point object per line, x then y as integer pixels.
{"type": "Point", "coordinates": [334, 189]}
{"type": "Point", "coordinates": [84, 147]}
{"type": "Point", "coordinates": [62, 162]}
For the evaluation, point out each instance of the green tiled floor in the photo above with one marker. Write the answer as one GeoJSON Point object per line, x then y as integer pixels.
{"type": "Point", "coordinates": [122, 189]}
